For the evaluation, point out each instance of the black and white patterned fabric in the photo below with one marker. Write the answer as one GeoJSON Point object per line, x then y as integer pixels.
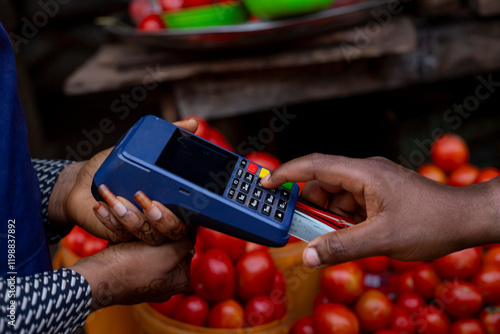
{"type": "Point", "coordinates": [47, 172]}
{"type": "Point", "coordinates": [55, 302]}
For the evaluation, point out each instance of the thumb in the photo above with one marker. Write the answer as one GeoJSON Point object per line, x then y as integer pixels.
{"type": "Point", "coordinates": [356, 242]}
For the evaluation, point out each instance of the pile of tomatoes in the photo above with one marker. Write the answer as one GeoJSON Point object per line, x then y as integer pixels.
{"type": "Point", "coordinates": [82, 243]}
{"type": "Point", "coordinates": [234, 284]}
{"type": "Point", "coordinates": [450, 163]}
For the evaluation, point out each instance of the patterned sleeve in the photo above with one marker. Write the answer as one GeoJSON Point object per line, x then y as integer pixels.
{"type": "Point", "coordinates": [48, 171]}
{"type": "Point", "coordinates": [50, 302]}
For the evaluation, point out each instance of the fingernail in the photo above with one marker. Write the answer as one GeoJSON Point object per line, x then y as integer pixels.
{"type": "Point", "coordinates": [118, 207]}
{"type": "Point", "coordinates": [101, 210]}
{"type": "Point", "coordinates": [150, 209]}
{"type": "Point", "coordinates": [311, 257]}
{"type": "Point", "coordinates": [266, 178]}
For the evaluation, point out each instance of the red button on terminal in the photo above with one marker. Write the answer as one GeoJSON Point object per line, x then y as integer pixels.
{"type": "Point", "coordinates": [252, 168]}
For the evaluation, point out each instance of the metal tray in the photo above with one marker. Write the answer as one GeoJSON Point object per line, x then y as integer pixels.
{"type": "Point", "coordinates": [247, 35]}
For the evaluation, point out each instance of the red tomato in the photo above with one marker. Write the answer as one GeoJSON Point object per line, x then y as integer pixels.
{"type": "Point", "coordinates": [433, 172]}
{"type": "Point", "coordinates": [226, 314]}
{"type": "Point", "coordinates": [373, 309]}
{"type": "Point", "coordinates": [411, 302]}
{"type": "Point", "coordinates": [431, 320]}
{"type": "Point", "coordinates": [255, 272]}
{"type": "Point", "coordinates": [406, 282]}
{"type": "Point", "coordinates": [374, 264]}
{"type": "Point", "coordinates": [151, 23]}
{"type": "Point", "coordinates": [401, 266]}
{"type": "Point", "coordinates": [335, 318]}
{"type": "Point", "coordinates": [75, 239]}
{"type": "Point", "coordinates": [278, 295]}
{"type": "Point", "coordinates": [320, 299]}
{"type": "Point", "coordinates": [388, 331]}
{"type": "Point", "coordinates": [259, 310]}
{"type": "Point", "coordinates": [342, 283]}
{"type": "Point", "coordinates": [213, 276]}
{"type": "Point", "coordinates": [253, 246]}
{"type": "Point", "coordinates": [303, 326]}
{"type": "Point", "coordinates": [490, 318]}
{"type": "Point", "coordinates": [192, 310]}
{"type": "Point", "coordinates": [487, 280]}
{"type": "Point", "coordinates": [139, 9]}
{"type": "Point", "coordinates": [426, 280]}
{"type": "Point", "coordinates": [211, 239]}
{"type": "Point", "coordinates": [216, 137]}
{"type": "Point", "coordinates": [171, 5]}
{"type": "Point", "coordinates": [467, 326]}
{"type": "Point", "coordinates": [169, 307]}
{"type": "Point", "coordinates": [463, 176]}
{"type": "Point", "coordinates": [492, 256]}
{"type": "Point", "coordinates": [449, 152]}
{"type": "Point", "coordinates": [460, 299]}
{"type": "Point", "coordinates": [401, 321]}
{"type": "Point", "coordinates": [264, 159]}
{"type": "Point", "coordinates": [93, 245]}
{"type": "Point", "coordinates": [197, 3]}
{"type": "Point", "coordinates": [462, 264]}
{"type": "Point", "coordinates": [487, 174]}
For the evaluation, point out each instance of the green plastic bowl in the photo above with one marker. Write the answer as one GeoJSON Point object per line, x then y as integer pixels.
{"type": "Point", "coordinates": [276, 9]}
{"type": "Point", "coordinates": [219, 14]}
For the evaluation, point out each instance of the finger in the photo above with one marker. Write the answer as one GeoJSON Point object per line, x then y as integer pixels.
{"type": "Point", "coordinates": [162, 219]}
{"type": "Point", "coordinates": [190, 124]}
{"type": "Point", "coordinates": [363, 240]}
{"type": "Point", "coordinates": [345, 204]}
{"type": "Point", "coordinates": [101, 211]}
{"type": "Point", "coordinates": [126, 214]}
{"type": "Point", "coordinates": [313, 192]}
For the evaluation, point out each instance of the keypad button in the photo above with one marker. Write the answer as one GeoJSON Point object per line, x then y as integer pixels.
{"type": "Point", "coordinates": [272, 191]}
{"type": "Point", "coordinates": [230, 193]}
{"type": "Point", "coordinates": [285, 194]}
{"type": "Point", "coordinates": [241, 198]}
{"type": "Point", "coordinates": [252, 168]}
{"type": "Point", "coordinates": [245, 187]}
{"type": "Point", "coordinates": [282, 204]}
{"type": "Point", "coordinates": [243, 163]}
{"type": "Point", "coordinates": [287, 185]}
{"type": "Point", "coordinates": [270, 199]}
{"type": "Point", "coordinates": [266, 209]}
{"type": "Point", "coordinates": [239, 173]}
{"type": "Point", "coordinates": [235, 183]}
{"type": "Point", "coordinates": [279, 215]}
{"type": "Point", "coordinates": [253, 204]}
{"type": "Point", "coordinates": [263, 172]}
{"type": "Point", "coordinates": [257, 193]}
{"type": "Point", "coordinates": [258, 183]}
{"type": "Point", "coordinates": [249, 177]}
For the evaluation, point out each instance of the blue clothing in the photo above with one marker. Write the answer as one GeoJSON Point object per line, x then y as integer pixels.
{"type": "Point", "coordinates": [20, 199]}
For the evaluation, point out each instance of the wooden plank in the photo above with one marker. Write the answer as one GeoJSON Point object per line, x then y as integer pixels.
{"type": "Point", "coordinates": [485, 8]}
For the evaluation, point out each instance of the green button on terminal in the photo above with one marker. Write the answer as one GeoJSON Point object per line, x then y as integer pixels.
{"type": "Point", "coordinates": [287, 185]}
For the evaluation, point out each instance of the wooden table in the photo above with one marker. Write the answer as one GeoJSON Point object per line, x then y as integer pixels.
{"type": "Point", "coordinates": [406, 50]}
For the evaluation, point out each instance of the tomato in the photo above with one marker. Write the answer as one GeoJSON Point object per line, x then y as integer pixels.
{"type": "Point", "coordinates": [449, 152]}
{"type": "Point", "coordinates": [406, 282]}
{"type": "Point", "coordinates": [139, 9]}
{"type": "Point", "coordinates": [151, 23]}
{"type": "Point", "coordinates": [462, 264]}
{"type": "Point", "coordinates": [401, 321]}
{"type": "Point", "coordinates": [211, 239]}
{"type": "Point", "coordinates": [171, 5]}
{"type": "Point", "coordinates": [373, 309]}
{"type": "Point", "coordinates": [93, 245]}
{"type": "Point", "coordinates": [226, 314]}
{"type": "Point", "coordinates": [463, 176]}
{"type": "Point", "coordinates": [278, 295]}
{"type": "Point", "coordinates": [487, 174]}
{"type": "Point", "coordinates": [216, 137]}
{"type": "Point", "coordinates": [342, 283]}
{"type": "Point", "coordinates": [374, 264]}
{"type": "Point", "coordinates": [335, 318]}
{"type": "Point", "coordinates": [460, 299]}
{"type": "Point", "coordinates": [426, 280]}
{"type": "Point", "coordinates": [433, 172]}
{"type": "Point", "coordinates": [487, 280]}
{"type": "Point", "coordinates": [192, 310]}
{"type": "Point", "coordinates": [320, 299]}
{"type": "Point", "coordinates": [411, 302]}
{"type": "Point", "coordinates": [388, 331]}
{"type": "Point", "coordinates": [255, 273]}
{"type": "Point", "coordinates": [213, 276]}
{"type": "Point", "coordinates": [169, 307]}
{"type": "Point", "coordinates": [264, 159]}
{"type": "Point", "coordinates": [490, 318]}
{"type": "Point", "coordinates": [75, 239]}
{"type": "Point", "coordinates": [303, 326]}
{"type": "Point", "coordinates": [196, 3]}
{"type": "Point", "coordinates": [431, 320]}
{"type": "Point", "coordinates": [467, 326]}
{"type": "Point", "coordinates": [259, 310]}
{"type": "Point", "coordinates": [253, 246]}
{"type": "Point", "coordinates": [401, 266]}
{"type": "Point", "coordinates": [492, 256]}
